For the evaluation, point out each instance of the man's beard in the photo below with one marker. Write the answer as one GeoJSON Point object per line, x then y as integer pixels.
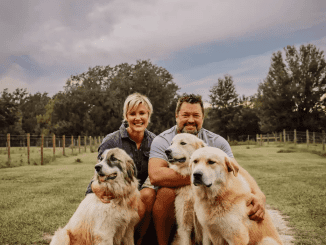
{"type": "Point", "coordinates": [184, 130]}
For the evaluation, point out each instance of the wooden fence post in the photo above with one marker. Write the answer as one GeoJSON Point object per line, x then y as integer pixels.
{"type": "Point", "coordinates": [295, 137]}
{"type": "Point", "coordinates": [79, 143]}
{"type": "Point", "coordinates": [8, 147]}
{"type": "Point", "coordinates": [63, 145]}
{"type": "Point", "coordinates": [307, 136]}
{"type": "Point", "coordinates": [72, 145]}
{"type": "Point", "coordinates": [85, 142]}
{"type": "Point", "coordinates": [313, 137]}
{"type": "Point", "coordinates": [280, 137]}
{"type": "Point", "coordinates": [42, 142]}
{"type": "Point", "coordinates": [261, 140]}
{"type": "Point", "coordinates": [324, 139]}
{"type": "Point", "coordinates": [284, 136]}
{"type": "Point", "coordinates": [90, 143]}
{"type": "Point", "coordinates": [257, 139]}
{"type": "Point", "coordinates": [53, 144]}
{"type": "Point", "coordinates": [28, 147]}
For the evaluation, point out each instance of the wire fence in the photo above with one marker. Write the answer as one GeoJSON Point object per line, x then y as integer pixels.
{"type": "Point", "coordinates": [18, 150]}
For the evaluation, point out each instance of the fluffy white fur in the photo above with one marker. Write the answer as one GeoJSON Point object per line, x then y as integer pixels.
{"type": "Point", "coordinates": [181, 149]}
{"type": "Point", "coordinates": [95, 222]}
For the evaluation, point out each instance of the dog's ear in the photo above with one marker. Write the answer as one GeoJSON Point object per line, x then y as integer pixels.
{"type": "Point", "coordinates": [131, 170]}
{"type": "Point", "coordinates": [232, 165]}
{"type": "Point", "coordinates": [200, 144]}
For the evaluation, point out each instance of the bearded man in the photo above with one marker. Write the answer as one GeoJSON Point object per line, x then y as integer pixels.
{"type": "Point", "coordinates": [189, 117]}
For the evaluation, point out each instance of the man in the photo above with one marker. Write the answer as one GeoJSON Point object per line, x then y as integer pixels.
{"type": "Point", "coordinates": [189, 117]}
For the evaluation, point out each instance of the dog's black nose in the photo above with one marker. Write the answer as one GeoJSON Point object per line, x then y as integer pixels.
{"type": "Point", "coordinates": [168, 152]}
{"type": "Point", "coordinates": [98, 168]}
{"type": "Point", "coordinates": [197, 175]}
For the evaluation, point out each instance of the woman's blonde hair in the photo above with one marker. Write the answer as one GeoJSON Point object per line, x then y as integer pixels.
{"type": "Point", "coordinates": [133, 101]}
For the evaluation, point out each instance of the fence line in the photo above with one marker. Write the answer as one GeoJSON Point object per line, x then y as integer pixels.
{"type": "Point", "coordinates": [310, 138]}
{"type": "Point", "coordinates": [8, 141]}
{"type": "Point", "coordinates": [28, 141]}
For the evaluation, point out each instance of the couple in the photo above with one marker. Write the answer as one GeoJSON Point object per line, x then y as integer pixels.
{"type": "Point", "coordinates": [157, 180]}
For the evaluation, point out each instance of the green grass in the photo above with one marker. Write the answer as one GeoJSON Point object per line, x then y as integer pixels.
{"type": "Point", "coordinates": [294, 182]}
{"type": "Point", "coordinates": [39, 199]}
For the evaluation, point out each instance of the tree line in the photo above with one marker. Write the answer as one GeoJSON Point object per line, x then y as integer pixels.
{"type": "Point", "coordinates": [292, 96]}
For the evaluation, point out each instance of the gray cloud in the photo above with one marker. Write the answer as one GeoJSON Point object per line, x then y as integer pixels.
{"type": "Point", "coordinates": [66, 37]}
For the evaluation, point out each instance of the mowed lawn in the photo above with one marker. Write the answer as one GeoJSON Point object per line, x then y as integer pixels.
{"type": "Point", "coordinates": [294, 183]}
{"type": "Point", "coordinates": [36, 200]}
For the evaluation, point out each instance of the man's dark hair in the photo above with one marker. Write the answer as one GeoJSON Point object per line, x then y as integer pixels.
{"type": "Point", "coordinates": [190, 98]}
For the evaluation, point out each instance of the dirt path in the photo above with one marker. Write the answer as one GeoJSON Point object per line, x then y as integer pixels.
{"type": "Point", "coordinates": [286, 233]}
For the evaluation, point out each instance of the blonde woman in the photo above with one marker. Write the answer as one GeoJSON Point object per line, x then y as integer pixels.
{"type": "Point", "coordinates": [135, 139]}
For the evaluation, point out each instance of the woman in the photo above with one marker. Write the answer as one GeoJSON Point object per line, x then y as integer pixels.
{"type": "Point", "coordinates": [135, 139]}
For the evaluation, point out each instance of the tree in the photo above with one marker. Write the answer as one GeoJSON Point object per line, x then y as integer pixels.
{"type": "Point", "coordinates": [11, 113]}
{"type": "Point", "coordinates": [224, 101]}
{"type": "Point", "coordinates": [92, 102]}
{"type": "Point", "coordinates": [33, 106]}
{"type": "Point", "coordinates": [8, 111]}
{"type": "Point", "coordinates": [289, 97]}
{"type": "Point", "coordinates": [223, 94]}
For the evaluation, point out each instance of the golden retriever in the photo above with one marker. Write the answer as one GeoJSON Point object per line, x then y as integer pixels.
{"type": "Point", "coordinates": [111, 217]}
{"type": "Point", "coordinates": [221, 198]}
{"type": "Point", "coordinates": [179, 153]}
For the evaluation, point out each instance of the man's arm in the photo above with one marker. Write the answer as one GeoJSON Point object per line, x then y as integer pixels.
{"type": "Point", "coordinates": [161, 175]}
{"type": "Point", "coordinates": [259, 199]}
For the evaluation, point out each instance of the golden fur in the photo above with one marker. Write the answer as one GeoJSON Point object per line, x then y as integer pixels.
{"type": "Point", "coordinates": [112, 220]}
{"type": "Point", "coordinates": [182, 146]}
{"type": "Point", "coordinates": [221, 198]}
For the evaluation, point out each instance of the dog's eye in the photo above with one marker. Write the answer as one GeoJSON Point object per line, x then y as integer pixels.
{"type": "Point", "coordinates": [195, 161]}
{"type": "Point", "coordinates": [211, 162]}
{"type": "Point", "coordinates": [112, 158]}
{"type": "Point", "coordinates": [183, 143]}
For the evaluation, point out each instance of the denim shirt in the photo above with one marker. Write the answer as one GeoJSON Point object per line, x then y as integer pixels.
{"type": "Point", "coordinates": [121, 139]}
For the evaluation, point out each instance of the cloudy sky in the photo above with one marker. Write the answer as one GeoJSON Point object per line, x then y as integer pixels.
{"type": "Point", "coordinates": [43, 43]}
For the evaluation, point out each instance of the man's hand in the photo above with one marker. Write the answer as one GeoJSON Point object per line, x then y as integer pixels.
{"type": "Point", "coordinates": [257, 211]}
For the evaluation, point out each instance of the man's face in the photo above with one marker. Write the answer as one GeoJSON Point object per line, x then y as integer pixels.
{"type": "Point", "coordinates": [190, 118]}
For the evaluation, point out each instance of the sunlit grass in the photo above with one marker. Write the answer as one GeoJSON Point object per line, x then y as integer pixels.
{"type": "Point", "coordinates": [294, 183]}
{"type": "Point", "coordinates": [38, 199]}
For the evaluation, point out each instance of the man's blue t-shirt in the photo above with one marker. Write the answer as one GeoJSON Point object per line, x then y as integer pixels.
{"type": "Point", "coordinates": [163, 141]}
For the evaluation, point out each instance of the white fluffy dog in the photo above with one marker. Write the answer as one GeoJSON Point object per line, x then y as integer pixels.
{"type": "Point", "coordinates": [110, 216]}
{"type": "Point", "coordinates": [179, 153]}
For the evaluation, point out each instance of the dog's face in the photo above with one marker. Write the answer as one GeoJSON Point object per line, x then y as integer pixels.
{"type": "Point", "coordinates": [211, 166]}
{"type": "Point", "coordinates": [181, 148]}
{"type": "Point", "coordinates": [115, 164]}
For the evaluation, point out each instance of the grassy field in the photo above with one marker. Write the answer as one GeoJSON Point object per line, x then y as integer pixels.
{"type": "Point", "coordinates": [294, 181]}
{"type": "Point", "coordinates": [36, 200]}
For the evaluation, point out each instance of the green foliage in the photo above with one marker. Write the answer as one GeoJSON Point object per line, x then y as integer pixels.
{"type": "Point", "coordinates": [230, 114]}
{"type": "Point", "coordinates": [45, 121]}
{"type": "Point", "coordinates": [289, 98]}
{"type": "Point", "coordinates": [92, 102]}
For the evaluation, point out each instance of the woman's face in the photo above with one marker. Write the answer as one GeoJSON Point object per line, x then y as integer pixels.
{"type": "Point", "coordinates": [138, 118]}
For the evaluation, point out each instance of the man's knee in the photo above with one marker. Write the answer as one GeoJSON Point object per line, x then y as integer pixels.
{"type": "Point", "coordinates": [165, 198]}
{"type": "Point", "coordinates": [148, 195]}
